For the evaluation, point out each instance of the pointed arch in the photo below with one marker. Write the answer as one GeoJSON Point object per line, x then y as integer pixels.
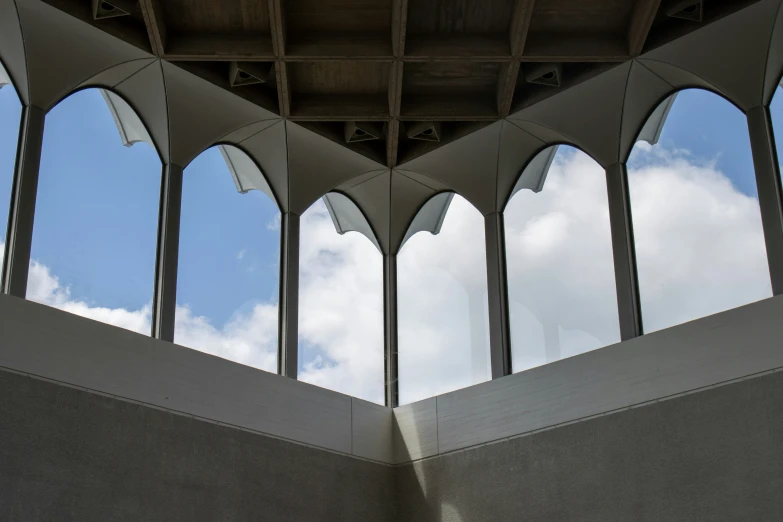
{"type": "Point", "coordinates": [560, 272]}
{"type": "Point", "coordinates": [229, 259]}
{"type": "Point", "coordinates": [94, 239]}
{"type": "Point", "coordinates": [340, 337]}
{"type": "Point", "coordinates": [442, 300]}
{"type": "Point", "coordinates": [697, 225]}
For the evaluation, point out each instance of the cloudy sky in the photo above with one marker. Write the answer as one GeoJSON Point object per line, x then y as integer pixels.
{"type": "Point", "coordinates": [698, 233]}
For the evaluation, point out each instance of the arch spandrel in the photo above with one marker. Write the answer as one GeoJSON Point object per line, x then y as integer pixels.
{"type": "Point", "coordinates": [643, 113]}
{"type": "Point", "coordinates": [269, 149]}
{"type": "Point", "coordinates": [774, 70]}
{"type": "Point", "coordinates": [371, 193]}
{"type": "Point", "coordinates": [468, 166]}
{"type": "Point", "coordinates": [201, 114]}
{"type": "Point", "coordinates": [316, 165]}
{"type": "Point", "coordinates": [734, 67]}
{"type": "Point", "coordinates": [63, 52]}
{"type": "Point", "coordinates": [517, 148]}
{"type": "Point", "coordinates": [12, 48]}
{"type": "Point", "coordinates": [588, 115]}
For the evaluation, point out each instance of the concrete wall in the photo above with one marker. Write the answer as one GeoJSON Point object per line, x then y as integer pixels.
{"type": "Point", "coordinates": [71, 455]}
{"type": "Point", "coordinates": [717, 349]}
{"type": "Point", "coordinates": [147, 430]}
{"type": "Point", "coordinates": [49, 343]}
{"type": "Point", "coordinates": [715, 455]}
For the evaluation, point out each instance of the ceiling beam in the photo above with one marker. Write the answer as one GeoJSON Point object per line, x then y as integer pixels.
{"type": "Point", "coordinates": [507, 84]}
{"type": "Point", "coordinates": [576, 48]}
{"type": "Point", "coordinates": [278, 29]}
{"type": "Point", "coordinates": [641, 21]}
{"type": "Point", "coordinates": [398, 38]}
{"type": "Point", "coordinates": [218, 47]}
{"type": "Point", "coordinates": [156, 27]}
{"type": "Point", "coordinates": [520, 26]}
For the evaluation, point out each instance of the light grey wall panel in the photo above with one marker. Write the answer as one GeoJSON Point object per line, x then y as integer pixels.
{"type": "Point", "coordinates": [72, 455]}
{"type": "Point", "coordinates": [715, 349]}
{"type": "Point", "coordinates": [372, 430]}
{"type": "Point", "coordinates": [415, 431]}
{"type": "Point", "coordinates": [53, 344]}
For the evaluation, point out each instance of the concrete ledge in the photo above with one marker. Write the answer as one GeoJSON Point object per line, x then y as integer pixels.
{"type": "Point", "coordinates": [56, 345]}
{"type": "Point", "coordinates": [702, 353]}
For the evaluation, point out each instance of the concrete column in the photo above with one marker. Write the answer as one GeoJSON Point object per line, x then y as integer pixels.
{"type": "Point", "coordinates": [767, 168]}
{"type": "Point", "coordinates": [288, 348]}
{"type": "Point", "coordinates": [164, 302]}
{"type": "Point", "coordinates": [497, 288]}
{"type": "Point", "coordinates": [391, 375]}
{"type": "Point", "coordinates": [624, 251]}
{"type": "Point", "coordinates": [21, 215]}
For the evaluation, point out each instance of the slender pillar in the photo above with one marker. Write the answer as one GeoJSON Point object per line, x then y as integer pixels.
{"type": "Point", "coordinates": [288, 349]}
{"type": "Point", "coordinates": [624, 251]}
{"type": "Point", "coordinates": [497, 287]}
{"type": "Point", "coordinates": [767, 168]}
{"type": "Point", "coordinates": [19, 236]}
{"type": "Point", "coordinates": [164, 301]}
{"type": "Point", "coordinates": [391, 377]}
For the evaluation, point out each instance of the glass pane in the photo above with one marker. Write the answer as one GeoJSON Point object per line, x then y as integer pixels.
{"type": "Point", "coordinates": [699, 241]}
{"type": "Point", "coordinates": [93, 251]}
{"type": "Point", "coordinates": [229, 266]}
{"type": "Point", "coordinates": [340, 308]}
{"type": "Point", "coordinates": [442, 307]}
{"type": "Point", "coordinates": [10, 118]}
{"type": "Point", "coordinates": [562, 297]}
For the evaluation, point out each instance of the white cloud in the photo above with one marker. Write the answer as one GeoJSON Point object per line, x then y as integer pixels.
{"type": "Point", "coordinates": [700, 250]}
{"type": "Point", "coordinates": [241, 254]}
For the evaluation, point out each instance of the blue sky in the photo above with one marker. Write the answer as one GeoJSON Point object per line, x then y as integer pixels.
{"type": "Point", "coordinates": [712, 129]}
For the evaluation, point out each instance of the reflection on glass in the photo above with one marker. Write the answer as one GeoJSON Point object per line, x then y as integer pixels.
{"type": "Point", "coordinates": [562, 299]}
{"type": "Point", "coordinates": [93, 249]}
{"type": "Point", "coordinates": [697, 225]}
{"type": "Point", "coordinates": [340, 308]}
{"type": "Point", "coordinates": [442, 306]}
{"type": "Point", "coordinates": [229, 260]}
{"type": "Point", "coordinates": [10, 118]}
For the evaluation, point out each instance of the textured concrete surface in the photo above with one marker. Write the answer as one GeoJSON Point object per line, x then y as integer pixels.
{"type": "Point", "coordinates": [711, 456]}
{"type": "Point", "coordinates": [70, 455]}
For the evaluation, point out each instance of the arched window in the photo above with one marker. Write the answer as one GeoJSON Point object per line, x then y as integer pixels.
{"type": "Point", "coordinates": [340, 302]}
{"type": "Point", "coordinates": [442, 302]}
{"type": "Point", "coordinates": [229, 260]}
{"type": "Point", "coordinates": [561, 287]}
{"type": "Point", "coordinates": [10, 118]}
{"type": "Point", "coordinates": [697, 225]}
{"type": "Point", "coordinates": [93, 248]}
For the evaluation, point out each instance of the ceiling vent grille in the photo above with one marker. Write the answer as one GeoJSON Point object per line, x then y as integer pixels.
{"type": "Point", "coordinates": [688, 10]}
{"type": "Point", "coordinates": [241, 74]}
{"type": "Point", "coordinates": [549, 74]}
{"type": "Point", "coordinates": [424, 131]}
{"type": "Point", "coordinates": [356, 131]}
{"type": "Point", "coordinates": [101, 10]}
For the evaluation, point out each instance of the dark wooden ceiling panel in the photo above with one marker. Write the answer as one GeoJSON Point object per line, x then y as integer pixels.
{"type": "Point", "coordinates": [566, 17]}
{"type": "Point", "coordinates": [336, 77]}
{"type": "Point", "coordinates": [210, 16]}
{"type": "Point", "coordinates": [443, 17]}
{"type": "Point", "coordinates": [305, 18]}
